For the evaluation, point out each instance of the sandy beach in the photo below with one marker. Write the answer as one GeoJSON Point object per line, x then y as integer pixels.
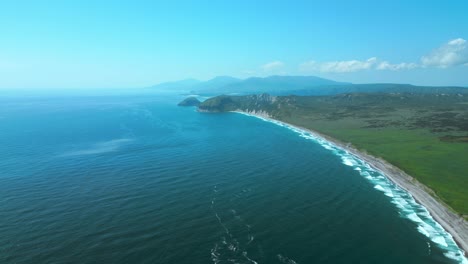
{"type": "Point", "coordinates": [450, 221]}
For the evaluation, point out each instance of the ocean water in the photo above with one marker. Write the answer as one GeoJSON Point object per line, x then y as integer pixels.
{"type": "Point", "coordinates": [136, 179]}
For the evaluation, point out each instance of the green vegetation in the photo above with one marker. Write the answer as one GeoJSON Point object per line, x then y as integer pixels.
{"type": "Point", "coordinates": [424, 134]}
{"type": "Point", "coordinates": [189, 101]}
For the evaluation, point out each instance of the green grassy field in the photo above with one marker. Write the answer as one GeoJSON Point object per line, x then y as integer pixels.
{"type": "Point", "coordinates": [442, 166]}
{"type": "Point", "coordinates": [424, 135]}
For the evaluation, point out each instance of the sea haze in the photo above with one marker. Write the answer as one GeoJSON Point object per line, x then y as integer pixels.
{"type": "Point", "coordinates": [136, 179]}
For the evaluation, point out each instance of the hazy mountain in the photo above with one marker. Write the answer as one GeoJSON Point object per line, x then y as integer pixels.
{"type": "Point", "coordinates": [180, 86]}
{"type": "Point", "coordinates": [215, 84]}
{"type": "Point", "coordinates": [193, 85]}
{"type": "Point", "coordinates": [293, 85]}
{"type": "Point", "coordinates": [272, 84]}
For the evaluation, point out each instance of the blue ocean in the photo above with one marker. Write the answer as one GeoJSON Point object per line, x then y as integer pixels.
{"type": "Point", "coordinates": [133, 178]}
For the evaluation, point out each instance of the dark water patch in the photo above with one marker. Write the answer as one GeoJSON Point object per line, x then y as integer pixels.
{"type": "Point", "coordinates": [185, 188]}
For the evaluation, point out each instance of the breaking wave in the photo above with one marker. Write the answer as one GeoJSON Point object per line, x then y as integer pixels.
{"type": "Point", "coordinates": [407, 205]}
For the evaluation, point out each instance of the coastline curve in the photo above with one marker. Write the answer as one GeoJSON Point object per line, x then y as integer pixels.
{"type": "Point", "coordinates": [434, 220]}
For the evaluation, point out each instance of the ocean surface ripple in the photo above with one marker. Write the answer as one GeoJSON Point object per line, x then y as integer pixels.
{"type": "Point", "coordinates": [136, 179]}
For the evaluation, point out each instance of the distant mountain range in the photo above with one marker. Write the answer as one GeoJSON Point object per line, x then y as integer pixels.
{"type": "Point", "coordinates": [231, 85]}
{"type": "Point", "coordinates": [292, 85]}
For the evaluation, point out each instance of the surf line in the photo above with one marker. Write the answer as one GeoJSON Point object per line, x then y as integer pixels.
{"type": "Point", "coordinates": [400, 197]}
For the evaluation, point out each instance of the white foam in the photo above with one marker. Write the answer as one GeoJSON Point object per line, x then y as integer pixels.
{"type": "Point", "coordinates": [456, 257]}
{"type": "Point", "coordinates": [347, 161]}
{"type": "Point", "coordinates": [249, 259]}
{"type": "Point", "coordinates": [389, 193]}
{"type": "Point", "coordinates": [328, 147]}
{"type": "Point", "coordinates": [423, 231]}
{"type": "Point", "coordinates": [378, 187]}
{"type": "Point", "coordinates": [414, 217]}
{"type": "Point", "coordinates": [285, 260]}
{"type": "Point", "coordinates": [440, 240]}
{"type": "Point", "coordinates": [409, 208]}
{"type": "Point", "coordinates": [99, 148]}
{"type": "Point", "coordinates": [250, 239]}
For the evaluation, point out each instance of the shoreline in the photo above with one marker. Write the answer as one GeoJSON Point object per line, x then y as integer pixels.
{"type": "Point", "coordinates": [452, 223]}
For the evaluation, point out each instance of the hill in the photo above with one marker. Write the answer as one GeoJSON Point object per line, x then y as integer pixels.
{"type": "Point", "coordinates": [189, 101]}
{"type": "Point", "coordinates": [379, 88]}
{"type": "Point", "coordinates": [293, 85]}
{"type": "Point", "coordinates": [424, 134]}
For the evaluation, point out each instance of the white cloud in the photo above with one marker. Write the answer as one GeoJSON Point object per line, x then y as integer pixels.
{"type": "Point", "coordinates": [355, 65]}
{"type": "Point", "coordinates": [453, 53]}
{"type": "Point", "coordinates": [385, 65]}
{"type": "Point", "coordinates": [348, 66]}
{"type": "Point", "coordinates": [458, 41]}
{"type": "Point", "coordinates": [272, 66]}
{"type": "Point", "coordinates": [339, 66]}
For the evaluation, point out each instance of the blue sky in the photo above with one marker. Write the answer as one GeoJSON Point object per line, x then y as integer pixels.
{"type": "Point", "coordinates": [107, 44]}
